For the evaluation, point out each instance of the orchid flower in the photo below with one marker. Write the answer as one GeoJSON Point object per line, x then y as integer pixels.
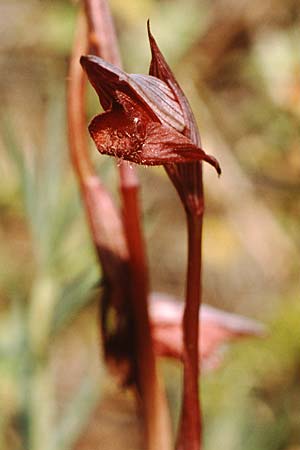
{"type": "Point", "coordinates": [148, 120]}
{"type": "Point", "coordinates": [143, 121]}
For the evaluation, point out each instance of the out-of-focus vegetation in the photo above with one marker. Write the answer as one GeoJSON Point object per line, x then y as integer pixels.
{"type": "Point", "coordinates": [239, 63]}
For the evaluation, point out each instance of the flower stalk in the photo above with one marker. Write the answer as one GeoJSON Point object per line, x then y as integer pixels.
{"type": "Point", "coordinates": [190, 430]}
{"type": "Point", "coordinates": [188, 181]}
{"type": "Point", "coordinates": [152, 398]}
{"type": "Point", "coordinates": [103, 218]}
{"type": "Point", "coordinates": [147, 120]}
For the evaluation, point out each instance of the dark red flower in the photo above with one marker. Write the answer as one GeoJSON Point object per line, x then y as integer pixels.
{"type": "Point", "coordinates": [144, 121]}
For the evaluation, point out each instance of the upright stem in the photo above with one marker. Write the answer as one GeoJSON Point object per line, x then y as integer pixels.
{"type": "Point", "coordinates": [153, 401]}
{"type": "Point", "coordinates": [102, 35]}
{"type": "Point", "coordinates": [190, 425]}
{"type": "Point", "coordinates": [103, 218]}
{"type": "Point", "coordinates": [76, 106]}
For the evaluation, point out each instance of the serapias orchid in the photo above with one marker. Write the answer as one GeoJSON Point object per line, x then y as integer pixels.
{"type": "Point", "coordinates": [148, 120]}
{"type": "Point", "coordinates": [143, 120]}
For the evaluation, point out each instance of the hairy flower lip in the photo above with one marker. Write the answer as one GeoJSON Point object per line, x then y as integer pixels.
{"type": "Point", "coordinates": [143, 142]}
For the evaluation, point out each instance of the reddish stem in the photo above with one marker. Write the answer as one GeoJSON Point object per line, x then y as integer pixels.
{"type": "Point", "coordinates": [103, 217]}
{"type": "Point", "coordinates": [102, 35]}
{"type": "Point", "coordinates": [75, 103]}
{"type": "Point", "coordinates": [190, 432]}
{"type": "Point", "coordinates": [153, 401]}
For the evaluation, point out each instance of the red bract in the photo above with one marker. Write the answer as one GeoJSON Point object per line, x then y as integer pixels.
{"type": "Point", "coordinates": [143, 120]}
{"type": "Point", "coordinates": [187, 178]}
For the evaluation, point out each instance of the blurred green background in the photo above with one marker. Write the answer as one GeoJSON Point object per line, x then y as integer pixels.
{"type": "Point", "coordinates": [239, 63]}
